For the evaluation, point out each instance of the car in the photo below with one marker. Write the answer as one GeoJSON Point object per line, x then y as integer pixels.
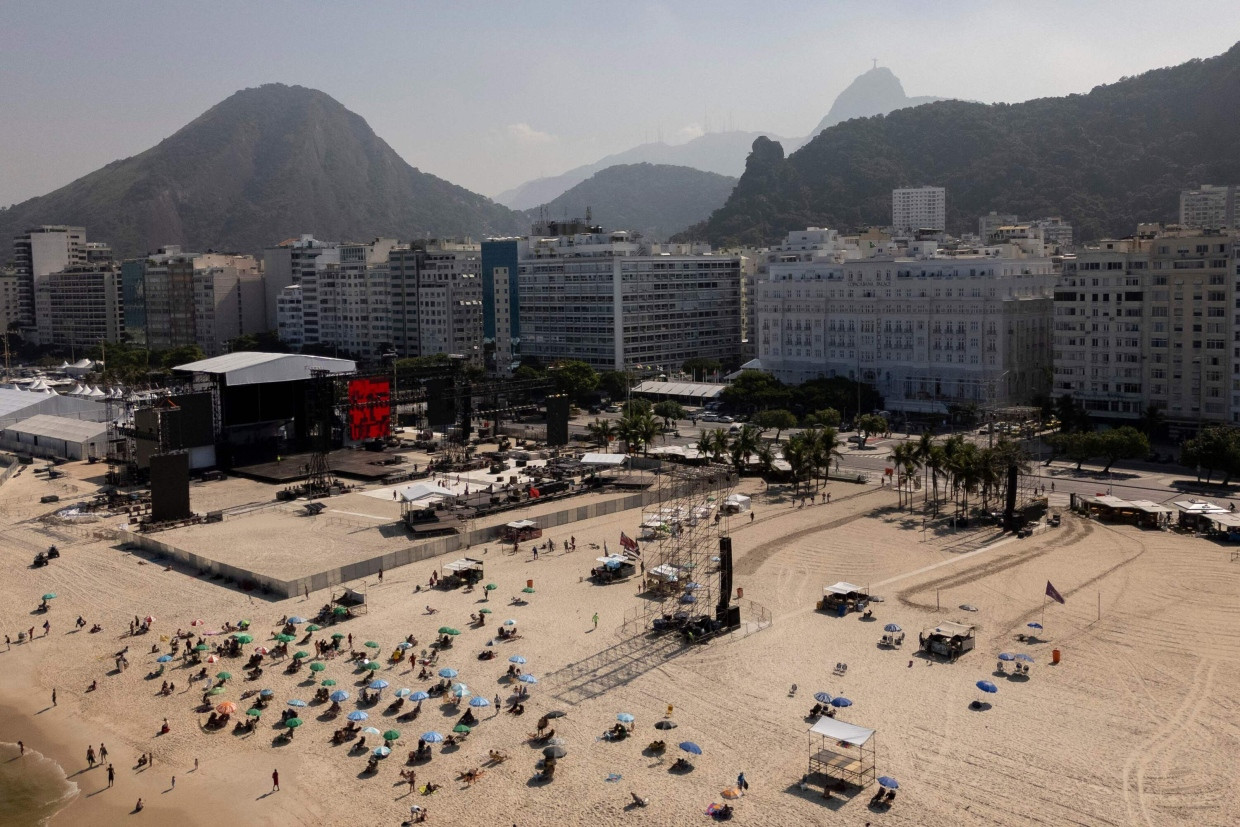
{"type": "Point", "coordinates": [724, 418]}
{"type": "Point", "coordinates": [613, 409]}
{"type": "Point", "coordinates": [709, 417]}
{"type": "Point", "coordinates": [857, 440]}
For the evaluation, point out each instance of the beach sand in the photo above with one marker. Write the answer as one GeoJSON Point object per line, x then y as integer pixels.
{"type": "Point", "coordinates": [1135, 726]}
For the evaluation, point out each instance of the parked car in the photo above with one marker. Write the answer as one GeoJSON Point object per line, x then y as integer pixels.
{"type": "Point", "coordinates": [857, 440]}
{"type": "Point", "coordinates": [709, 417]}
{"type": "Point", "coordinates": [724, 418]}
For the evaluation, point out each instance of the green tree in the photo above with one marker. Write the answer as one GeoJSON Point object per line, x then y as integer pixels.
{"type": "Point", "coordinates": [799, 454]}
{"type": "Point", "coordinates": [1216, 448]}
{"type": "Point", "coordinates": [639, 430]}
{"type": "Point", "coordinates": [637, 405]}
{"type": "Point", "coordinates": [1151, 421]}
{"type": "Point", "coordinates": [824, 449]}
{"type": "Point", "coordinates": [827, 418]}
{"type": "Point", "coordinates": [754, 390]}
{"type": "Point", "coordinates": [181, 355]}
{"type": "Point", "coordinates": [669, 411]}
{"type": "Point", "coordinates": [870, 424]}
{"type": "Point", "coordinates": [713, 443]}
{"type": "Point", "coordinates": [904, 458]}
{"type": "Point", "coordinates": [574, 378]}
{"type": "Point", "coordinates": [616, 383]}
{"type": "Point", "coordinates": [1123, 443]}
{"type": "Point", "coordinates": [701, 368]}
{"type": "Point", "coordinates": [744, 446]}
{"type": "Point", "coordinates": [602, 431]}
{"type": "Point", "coordinates": [780, 420]}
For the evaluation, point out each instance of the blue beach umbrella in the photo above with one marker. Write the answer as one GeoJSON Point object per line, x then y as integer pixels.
{"type": "Point", "coordinates": [1006, 656]}
{"type": "Point", "coordinates": [163, 658]}
{"type": "Point", "coordinates": [432, 737]}
{"type": "Point", "coordinates": [822, 697]}
{"type": "Point", "coordinates": [888, 782]}
{"type": "Point", "coordinates": [1034, 625]}
{"type": "Point", "coordinates": [297, 703]}
{"type": "Point", "coordinates": [690, 747]}
{"type": "Point", "coordinates": [379, 684]}
{"type": "Point", "coordinates": [419, 696]}
{"type": "Point", "coordinates": [1025, 658]}
{"type": "Point", "coordinates": [839, 702]}
{"type": "Point", "coordinates": [516, 659]}
{"type": "Point", "coordinates": [267, 693]}
{"type": "Point", "coordinates": [381, 752]}
{"type": "Point", "coordinates": [296, 620]}
{"type": "Point", "coordinates": [528, 679]}
{"type": "Point", "coordinates": [625, 718]}
{"type": "Point", "coordinates": [448, 672]}
{"type": "Point", "coordinates": [403, 692]}
{"type": "Point", "coordinates": [479, 702]}
{"type": "Point", "coordinates": [892, 627]}
{"type": "Point", "coordinates": [339, 695]}
{"type": "Point", "coordinates": [987, 686]}
{"type": "Point", "coordinates": [358, 715]}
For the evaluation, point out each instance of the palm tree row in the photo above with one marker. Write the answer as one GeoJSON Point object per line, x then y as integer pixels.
{"type": "Point", "coordinates": [809, 454]}
{"type": "Point", "coordinates": [965, 469]}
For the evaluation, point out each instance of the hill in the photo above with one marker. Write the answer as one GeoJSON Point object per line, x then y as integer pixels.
{"type": "Point", "coordinates": [1105, 160]}
{"type": "Point", "coordinates": [263, 165]}
{"type": "Point", "coordinates": [720, 152]}
{"type": "Point", "coordinates": [876, 92]}
{"type": "Point", "coordinates": [653, 199]}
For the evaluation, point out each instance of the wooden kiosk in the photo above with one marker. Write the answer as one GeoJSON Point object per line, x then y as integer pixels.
{"type": "Point", "coordinates": [842, 751]}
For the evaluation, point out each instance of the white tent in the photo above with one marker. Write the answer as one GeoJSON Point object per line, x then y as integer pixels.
{"type": "Point", "coordinates": [424, 493]}
{"type": "Point", "coordinates": [603, 459]}
{"type": "Point", "coordinates": [838, 730]}
{"type": "Point", "coordinates": [738, 503]}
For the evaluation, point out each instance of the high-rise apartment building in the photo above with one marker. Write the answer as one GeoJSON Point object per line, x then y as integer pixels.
{"type": "Point", "coordinates": [501, 319]}
{"type": "Point", "coordinates": [286, 263]}
{"type": "Point", "coordinates": [1151, 321]}
{"type": "Point", "coordinates": [37, 253]}
{"type": "Point", "coordinates": [919, 208]}
{"type": "Point", "coordinates": [926, 328]}
{"type": "Point", "coordinates": [82, 306]}
{"type": "Point", "coordinates": [436, 303]}
{"type": "Point", "coordinates": [618, 303]}
{"type": "Point", "coordinates": [229, 300]}
{"type": "Point", "coordinates": [1208, 207]}
{"type": "Point", "coordinates": [202, 299]}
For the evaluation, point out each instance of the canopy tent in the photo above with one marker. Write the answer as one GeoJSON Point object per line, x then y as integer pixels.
{"type": "Point", "coordinates": [520, 530]}
{"type": "Point", "coordinates": [520, 524]}
{"type": "Point", "coordinates": [603, 459]}
{"type": "Point", "coordinates": [1198, 514]}
{"type": "Point", "coordinates": [843, 589]}
{"type": "Point", "coordinates": [460, 572]}
{"type": "Point", "coordinates": [949, 639]}
{"type": "Point", "coordinates": [841, 750]}
{"type": "Point", "coordinates": [463, 565]}
{"type": "Point", "coordinates": [424, 493]}
{"type": "Point", "coordinates": [737, 503]}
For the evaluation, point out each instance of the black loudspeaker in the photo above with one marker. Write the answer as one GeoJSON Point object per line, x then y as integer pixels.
{"type": "Point", "coordinates": [729, 616]}
{"type": "Point", "coordinates": [440, 403]}
{"type": "Point", "coordinates": [169, 487]}
{"type": "Point", "coordinates": [557, 420]}
{"type": "Point", "coordinates": [725, 571]}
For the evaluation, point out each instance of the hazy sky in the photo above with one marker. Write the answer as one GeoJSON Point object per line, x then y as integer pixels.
{"type": "Point", "coordinates": [490, 94]}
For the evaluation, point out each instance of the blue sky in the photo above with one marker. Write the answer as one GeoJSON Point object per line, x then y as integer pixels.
{"type": "Point", "coordinates": [490, 94]}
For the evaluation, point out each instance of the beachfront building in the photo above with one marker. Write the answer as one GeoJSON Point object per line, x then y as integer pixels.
{"type": "Point", "coordinates": [436, 299]}
{"type": "Point", "coordinates": [1209, 207]}
{"type": "Point", "coordinates": [927, 328]}
{"type": "Point", "coordinates": [1150, 321]}
{"type": "Point", "coordinates": [229, 300]}
{"type": "Point", "coordinates": [918, 208]}
{"type": "Point", "coordinates": [202, 299]}
{"type": "Point", "coordinates": [37, 253]}
{"type": "Point", "coordinates": [619, 303]}
{"type": "Point", "coordinates": [80, 306]}
{"type": "Point", "coordinates": [285, 264]}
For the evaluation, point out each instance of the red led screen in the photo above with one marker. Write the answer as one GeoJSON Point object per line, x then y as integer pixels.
{"type": "Point", "coordinates": [370, 408]}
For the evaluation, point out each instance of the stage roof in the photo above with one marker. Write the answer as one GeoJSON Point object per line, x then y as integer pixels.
{"type": "Point", "coordinates": [248, 368]}
{"type": "Point", "coordinates": [840, 731]}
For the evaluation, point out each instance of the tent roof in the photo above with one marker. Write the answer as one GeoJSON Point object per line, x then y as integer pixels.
{"type": "Point", "coordinates": [1199, 507]}
{"type": "Point", "coordinates": [842, 588]}
{"type": "Point", "coordinates": [949, 628]}
{"type": "Point", "coordinates": [60, 427]}
{"type": "Point", "coordinates": [522, 524]}
{"type": "Point", "coordinates": [422, 491]}
{"type": "Point", "coordinates": [603, 459]}
{"type": "Point", "coordinates": [464, 564]}
{"type": "Point", "coordinates": [737, 499]}
{"type": "Point", "coordinates": [692, 390]}
{"type": "Point", "coordinates": [838, 730]}
{"type": "Point", "coordinates": [248, 368]}
{"type": "Point", "coordinates": [1226, 519]}
{"type": "Point", "coordinates": [1150, 507]}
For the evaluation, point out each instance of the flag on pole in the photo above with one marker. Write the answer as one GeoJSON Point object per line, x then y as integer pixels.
{"type": "Point", "coordinates": [1052, 593]}
{"type": "Point", "coordinates": [628, 542]}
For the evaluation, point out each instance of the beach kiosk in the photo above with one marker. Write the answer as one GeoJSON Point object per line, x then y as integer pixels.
{"type": "Point", "coordinates": [949, 639]}
{"type": "Point", "coordinates": [612, 568]}
{"type": "Point", "coordinates": [464, 572]}
{"type": "Point", "coordinates": [842, 751]}
{"type": "Point", "coordinates": [518, 531]}
{"type": "Point", "coordinates": [1197, 515]}
{"type": "Point", "coordinates": [842, 598]}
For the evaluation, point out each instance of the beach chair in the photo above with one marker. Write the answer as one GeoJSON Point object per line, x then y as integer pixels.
{"type": "Point", "coordinates": [999, 667]}
{"type": "Point", "coordinates": [841, 668]}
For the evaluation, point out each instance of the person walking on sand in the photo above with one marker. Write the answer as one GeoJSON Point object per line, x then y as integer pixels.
{"type": "Point", "coordinates": [90, 756]}
{"type": "Point", "coordinates": [111, 775]}
{"type": "Point", "coordinates": [21, 748]}
{"type": "Point", "coordinates": [53, 697]}
{"type": "Point", "coordinates": [596, 620]}
{"type": "Point", "coordinates": [103, 753]}
{"type": "Point", "coordinates": [174, 782]}
{"type": "Point", "coordinates": [741, 783]}
{"type": "Point", "coordinates": [275, 781]}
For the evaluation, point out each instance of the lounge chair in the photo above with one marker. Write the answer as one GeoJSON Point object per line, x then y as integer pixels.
{"type": "Point", "coordinates": [891, 796]}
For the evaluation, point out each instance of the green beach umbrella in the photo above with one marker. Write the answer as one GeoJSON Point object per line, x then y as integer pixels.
{"type": "Point", "coordinates": [337, 636]}
{"type": "Point", "coordinates": [373, 666]}
{"type": "Point", "coordinates": [484, 611]}
{"type": "Point", "coordinates": [528, 590]}
{"type": "Point", "coordinates": [202, 647]}
{"type": "Point", "coordinates": [491, 587]}
{"type": "Point", "coordinates": [370, 644]}
{"type": "Point", "coordinates": [317, 667]}
{"type": "Point", "coordinates": [340, 611]}
{"type": "Point", "coordinates": [50, 596]}
{"type": "Point", "coordinates": [254, 713]}
{"type": "Point", "coordinates": [283, 638]}
{"type": "Point", "coordinates": [329, 682]}
{"type": "Point", "coordinates": [223, 675]}
{"type": "Point", "coordinates": [448, 630]}
{"type": "Point", "coordinates": [391, 735]}
{"type": "Point", "coordinates": [301, 654]}
{"type": "Point", "coordinates": [244, 638]}
{"type": "Point", "coordinates": [293, 723]}
{"type": "Point", "coordinates": [462, 728]}
{"type": "Point", "coordinates": [313, 627]}
{"type": "Point", "coordinates": [219, 690]}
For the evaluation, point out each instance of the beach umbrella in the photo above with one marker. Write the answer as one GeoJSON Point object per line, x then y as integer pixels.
{"type": "Point", "coordinates": [198, 622]}
{"type": "Point", "coordinates": [226, 708]}
{"type": "Point", "coordinates": [967, 607]}
{"type": "Point", "coordinates": [243, 638]}
{"type": "Point", "coordinates": [1006, 656]}
{"type": "Point", "coordinates": [244, 624]}
{"type": "Point", "coordinates": [50, 596]}
{"type": "Point", "coordinates": [555, 713]}
{"type": "Point", "coordinates": [479, 702]}
{"type": "Point", "coordinates": [625, 718]}
{"type": "Point", "coordinates": [202, 647]}
{"type": "Point", "coordinates": [337, 636]}
{"type": "Point", "coordinates": [318, 667]}
{"type": "Point", "coordinates": [419, 696]}
{"type": "Point", "coordinates": [1034, 625]}
{"type": "Point", "coordinates": [432, 737]}
{"type": "Point", "coordinates": [300, 653]}
{"type": "Point", "coordinates": [224, 676]}
{"type": "Point", "coordinates": [731, 792]}
{"type": "Point", "coordinates": [839, 702]}
{"type": "Point", "coordinates": [370, 644]}
{"type": "Point", "coordinates": [379, 684]}
{"type": "Point", "coordinates": [692, 587]}
{"type": "Point", "coordinates": [219, 690]}
{"type": "Point", "coordinates": [381, 752]}
{"type": "Point", "coordinates": [491, 587]}
{"type": "Point", "coordinates": [1025, 658]}
{"type": "Point", "coordinates": [460, 685]}
{"type": "Point", "coordinates": [313, 627]}
{"type": "Point", "coordinates": [340, 611]}
{"type": "Point", "coordinates": [391, 735]}
{"type": "Point", "coordinates": [822, 697]}
{"type": "Point", "coordinates": [461, 693]}
{"type": "Point", "coordinates": [987, 686]}
{"type": "Point", "coordinates": [373, 666]}
{"type": "Point", "coordinates": [213, 658]}
{"type": "Point", "coordinates": [892, 627]}
{"type": "Point", "coordinates": [462, 728]}
{"type": "Point", "coordinates": [690, 747]}
{"type": "Point", "coordinates": [293, 723]}
{"type": "Point", "coordinates": [510, 623]}
{"type": "Point", "coordinates": [328, 682]}
{"type": "Point", "coordinates": [296, 620]}
{"type": "Point", "coordinates": [403, 692]}
{"type": "Point", "coordinates": [403, 645]}
{"type": "Point", "coordinates": [262, 650]}
{"type": "Point", "coordinates": [665, 724]}
{"type": "Point", "coordinates": [448, 630]}
{"type": "Point", "coordinates": [555, 752]}
{"type": "Point", "coordinates": [339, 696]}
{"type": "Point", "coordinates": [370, 730]}
{"type": "Point", "coordinates": [528, 679]}
{"type": "Point", "coordinates": [687, 598]}
{"type": "Point", "coordinates": [517, 659]}
{"type": "Point", "coordinates": [528, 590]}
{"type": "Point", "coordinates": [283, 638]}
{"type": "Point", "coordinates": [267, 693]}
{"type": "Point", "coordinates": [357, 715]}
{"type": "Point", "coordinates": [297, 702]}
{"type": "Point", "coordinates": [254, 713]}
{"type": "Point", "coordinates": [163, 658]}
{"type": "Point", "coordinates": [149, 619]}
{"type": "Point", "coordinates": [888, 782]}
{"type": "Point", "coordinates": [448, 672]}
{"type": "Point", "coordinates": [484, 611]}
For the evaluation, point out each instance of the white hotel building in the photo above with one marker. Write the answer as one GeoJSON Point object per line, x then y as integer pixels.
{"type": "Point", "coordinates": [927, 328]}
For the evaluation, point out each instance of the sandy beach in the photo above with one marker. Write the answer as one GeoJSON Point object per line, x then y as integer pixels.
{"type": "Point", "coordinates": [1134, 726]}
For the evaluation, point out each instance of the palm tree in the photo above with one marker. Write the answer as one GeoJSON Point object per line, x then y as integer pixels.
{"type": "Point", "coordinates": [766, 458]}
{"type": "Point", "coordinates": [924, 449]}
{"type": "Point", "coordinates": [744, 446]}
{"type": "Point", "coordinates": [904, 458]}
{"type": "Point", "coordinates": [826, 448]}
{"type": "Point", "coordinates": [799, 455]}
{"type": "Point", "coordinates": [713, 444]}
{"type": "Point", "coordinates": [602, 431]}
{"type": "Point", "coordinates": [640, 429]}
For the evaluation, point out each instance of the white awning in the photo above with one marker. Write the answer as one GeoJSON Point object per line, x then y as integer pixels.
{"type": "Point", "coordinates": [604, 459]}
{"type": "Point", "coordinates": [520, 524]}
{"type": "Point", "coordinates": [1150, 507]}
{"type": "Point", "coordinates": [424, 492]}
{"type": "Point", "coordinates": [840, 731]}
{"type": "Point", "coordinates": [464, 564]}
{"type": "Point", "coordinates": [666, 572]}
{"type": "Point", "coordinates": [841, 588]}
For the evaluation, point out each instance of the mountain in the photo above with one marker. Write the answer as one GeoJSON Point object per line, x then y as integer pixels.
{"type": "Point", "coordinates": [1104, 161]}
{"type": "Point", "coordinates": [261, 166]}
{"type": "Point", "coordinates": [653, 199]}
{"type": "Point", "coordinates": [719, 152]}
{"type": "Point", "coordinates": [876, 92]}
